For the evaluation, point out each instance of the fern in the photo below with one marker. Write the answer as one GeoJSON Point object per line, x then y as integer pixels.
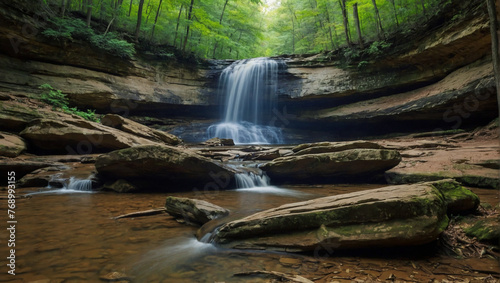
{"type": "Point", "coordinates": [58, 99]}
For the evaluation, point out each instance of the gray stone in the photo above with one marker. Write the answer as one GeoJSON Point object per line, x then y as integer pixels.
{"type": "Point", "coordinates": [403, 215]}
{"type": "Point", "coordinates": [194, 211]}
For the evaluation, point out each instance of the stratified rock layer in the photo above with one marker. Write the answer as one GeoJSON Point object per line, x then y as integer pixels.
{"type": "Point", "coordinates": [164, 168]}
{"type": "Point", "coordinates": [391, 216]}
{"type": "Point", "coordinates": [345, 164]}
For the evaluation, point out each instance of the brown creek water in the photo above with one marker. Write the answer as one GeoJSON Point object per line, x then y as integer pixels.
{"type": "Point", "coordinates": [72, 237]}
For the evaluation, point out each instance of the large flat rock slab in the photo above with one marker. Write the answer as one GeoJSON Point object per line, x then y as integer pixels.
{"type": "Point", "coordinates": [77, 136]}
{"type": "Point", "coordinates": [340, 165]}
{"type": "Point", "coordinates": [165, 168]}
{"type": "Point", "coordinates": [403, 215]}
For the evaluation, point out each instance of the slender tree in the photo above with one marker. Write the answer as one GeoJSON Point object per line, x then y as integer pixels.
{"type": "Point", "coordinates": [220, 23]}
{"type": "Point", "coordinates": [63, 8]}
{"type": "Point", "coordinates": [188, 26]}
{"type": "Point", "coordinates": [423, 7]}
{"type": "Point", "coordinates": [130, 8]}
{"type": "Point", "coordinates": [178, 21]}
{"type": "Point", "coordinates": [492, 12]}
{"type": "Point", "coordinates": [346, 21]}
{"type": "Point", "coordinates": [395, 12]}
{"type": "Point", "coordinates": [115, 14]}
{"type": "Point", "coordinates": [378, 22]}
{"type": "Point", "coordinates": [139, 20]}
{"type": "Point", "coordinates": [89, 12]}
{"type": "Point", "coordinates": [358, 27]}
{"type": "Point", "coordinates": [156, 19]}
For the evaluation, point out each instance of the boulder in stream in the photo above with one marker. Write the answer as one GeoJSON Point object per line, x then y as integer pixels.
{"type": "Point", "coordinates": [404, 215]}
{"type": "Point", "coordinates": [164, 168]}
{"type": "Point", "coordinates": [345, 164]}
{"type": "Point", "coordinates": [194, 211]}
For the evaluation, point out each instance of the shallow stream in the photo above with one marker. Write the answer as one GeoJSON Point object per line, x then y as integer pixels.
{"type": "Point", "coordinates": [72, 237]}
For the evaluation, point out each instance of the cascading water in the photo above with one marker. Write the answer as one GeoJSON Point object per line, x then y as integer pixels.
{"type": "Point", "coordinates": [249, 88]}
{"type": "Point", "coordinates": [80, 185]}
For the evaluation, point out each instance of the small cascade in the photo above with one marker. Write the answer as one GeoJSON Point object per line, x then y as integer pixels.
{"type": "Point", "coordinates": [81, 185]}
{"type": "Point", "coordinates": [251, 180]}
{"type": "Point", "coordinates": [249, 88]}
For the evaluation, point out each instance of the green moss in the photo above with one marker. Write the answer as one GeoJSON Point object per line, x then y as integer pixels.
{"type": "Point", "coordinates": [485, 230]}
{"type": "Point", "coordinates": [457, 198]}
{"type": "Point", "coordinates": [480, 181]}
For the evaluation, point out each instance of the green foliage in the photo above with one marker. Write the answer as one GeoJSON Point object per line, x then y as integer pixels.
{"type": "Point", "coordinates": [53, 96]}
{"type": "Point", "coordinates": [68, 28]}
{"type": "Point", "coordinates": [378, 47]}
{"type": "Point", "coordinates": [111, 44]}
{"type": "Point", "coordinates": [362, 64]}
{"type": "Point", "coordinates": [71, 28]}
{"type": "Point", "coordinates": [58, 99]}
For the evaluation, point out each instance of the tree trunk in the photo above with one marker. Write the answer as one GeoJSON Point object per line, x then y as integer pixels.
{"type": "Point", "coordinates": [346, 22]}
{"type": "Point", "coordinates": [393, 2]}
{"type": "Point", "coordinates": [130, 8]}
{"type": "Point", "coordinates": [63, 8]}
{"type": "Point", "coordinates": [492, 12]}
{"type": "Point", "coordinates": [358, 27]}
{"type": "Point", "coordinates": [139, 20]}
{"type": "Point", "coordinates": [156, 19]}
{"type": "Point", "coordinates": [220, 23]}
{"type": "Point", "coordinates": [187, 28]}
{"type": "Point", "coordinates": [329, 28]}
{"type": "Point", "coordinates": [149, 7]}
{"type": "Point", "coordinates": [178, 21]}
{"type": "Point", "coordinates": [423, 8]}
{"type": "Point", "coordinates": [118, 5]}
{"type": "Point", "coordinates": [89, 12]}
{"type": "Point", "coordinates": [380, 30]}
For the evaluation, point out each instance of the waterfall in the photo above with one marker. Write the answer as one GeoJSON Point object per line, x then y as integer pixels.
{"type": "Point", "coordinates": [249, 88]}
{"type": "Point", "coordinates": [251, 180]}
{"type": "Point", "coordinates": [82, 185]}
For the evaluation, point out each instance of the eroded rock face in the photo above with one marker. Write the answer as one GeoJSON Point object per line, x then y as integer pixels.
{"type": "Point", "coordinates": [129, 126]}
{"type": "Point", "coordinates": [164, 168]}
{"type": "Point", "coordinates": [11, 145]}
{"type": "Point", "coordinates": [332, 165]}
{"type": "Point", "coordinates": [324, 147]}
{"type": "Point", "coordinates": [78, 136]}
{"type": "Point", "coordinates": [194, 211]}
{"type": "Point", "coordinates": [391, 216]}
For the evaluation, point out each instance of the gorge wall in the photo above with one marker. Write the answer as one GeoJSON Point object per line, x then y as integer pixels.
{"type": "Point", "coordinates": [438, 77]}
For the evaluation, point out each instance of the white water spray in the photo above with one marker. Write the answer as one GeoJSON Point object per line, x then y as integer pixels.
{"type": "Point", "coordinates": [249, 87]}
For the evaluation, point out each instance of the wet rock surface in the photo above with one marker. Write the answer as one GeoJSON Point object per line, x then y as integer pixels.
{"type": "Point", "coordinates": [332, 165]}
{"type": "Point", "coordinates": [391, 216]}
{"type": "Point", "coordinates": [194, 211]}
{"type": "Point", "coordinates": [164, 168]}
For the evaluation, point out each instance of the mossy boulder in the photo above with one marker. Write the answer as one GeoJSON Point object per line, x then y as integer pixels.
{"type": "Point", "coordinates": [403, 215]}
{"type": "Point", "coordinates": [164, 168]}
{"type": "Point", "coordinates": [331, 166]}
{"type": "Point", "coordinates": [486, 230]}
{"type": "Point", "coordinates": [458, 199]}
{"type": "Point", "coordinates": [194, 211]}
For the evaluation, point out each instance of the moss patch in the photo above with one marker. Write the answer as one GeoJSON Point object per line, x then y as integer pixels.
{"type": "Point", "coordinates": [485, 230]}
{"type": "Point", "coordinates": [457, 198]}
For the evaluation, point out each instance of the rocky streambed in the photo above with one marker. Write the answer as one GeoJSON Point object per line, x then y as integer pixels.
{"type": "Point", "coordinates": [303, 225]}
